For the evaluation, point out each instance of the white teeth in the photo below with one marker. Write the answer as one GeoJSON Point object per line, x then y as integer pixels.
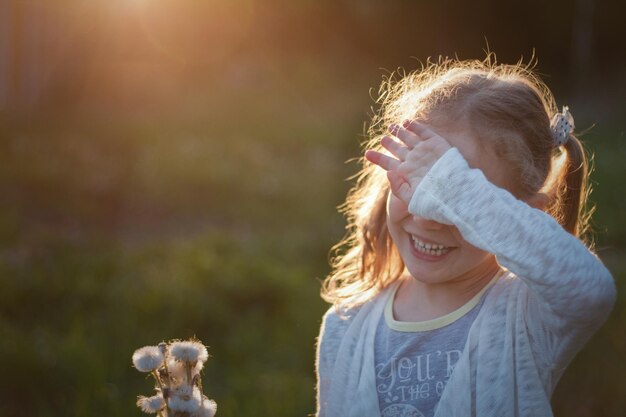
{"type": "Point", "coordinates": [429, 248]}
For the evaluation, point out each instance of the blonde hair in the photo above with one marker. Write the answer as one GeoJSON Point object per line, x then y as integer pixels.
{"type": "Point", "coordinates": [508, 108]}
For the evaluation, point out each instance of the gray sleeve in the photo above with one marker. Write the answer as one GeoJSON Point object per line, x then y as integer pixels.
{"type": "Point", "coordinates": [328, 341]}
{"type": "Point", "coordinates": [570, 291]}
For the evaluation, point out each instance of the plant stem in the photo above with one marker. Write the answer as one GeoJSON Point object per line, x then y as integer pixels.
{"type": "Point", "coordinates": [188, 369]}
{"type": "Point", "coordinates": [155, 373]}
{"type": "Point", "coordinates": [158, 379]}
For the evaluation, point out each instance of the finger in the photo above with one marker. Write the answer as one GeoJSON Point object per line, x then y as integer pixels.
{"type": "Point", "coordinates": [394, 147]}
{"type": "Point", "coordinates": [406, 136]}
{"type": "Point", "coordinates": [385, 162]}
{"type": "Point", "coordinates": [421, 130]}
{"type": "Point", "coordinates": [400, 187]}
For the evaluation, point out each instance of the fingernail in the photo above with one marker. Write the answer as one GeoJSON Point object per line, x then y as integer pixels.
{"type": "Point", "coordinates": [406, 123]}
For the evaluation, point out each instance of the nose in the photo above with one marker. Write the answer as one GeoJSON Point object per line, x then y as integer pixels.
{"type": "Point", "coordinates": [427, 224]}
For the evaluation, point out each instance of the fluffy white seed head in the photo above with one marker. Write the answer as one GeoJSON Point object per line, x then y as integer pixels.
{"type": "Point", "coordinates": [178, 371]}
{"type": "Point", "coordinates": [189, 351]}
{"type": "Point", "coordinates": [175, 368]}
{"type": "Point", "coordinates": [185, 399]}
{"type": "Point", "coordinates": [196, 369]}
{"type": "Point", "coordinates": [150, 404]}
{"type": "Point", "coordinates": [207, 409]}
{"type": "Point", "coordinates": [148, 358]}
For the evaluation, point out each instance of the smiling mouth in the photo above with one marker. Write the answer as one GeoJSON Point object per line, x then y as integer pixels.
{"type": "Point", "coordinates": [432, 249]}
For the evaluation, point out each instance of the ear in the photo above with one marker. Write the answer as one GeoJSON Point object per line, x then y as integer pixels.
{"type": "Point", "coordinates": [539, 201]}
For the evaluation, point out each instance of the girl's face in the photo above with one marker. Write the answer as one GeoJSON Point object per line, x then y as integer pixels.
{"type": "Point", "coordinates": [419, 241]}
{"type": "Point", "coordinates": [436, 253]}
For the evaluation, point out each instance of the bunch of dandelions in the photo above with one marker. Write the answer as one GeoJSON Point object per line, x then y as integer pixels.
{"type": "Point", "coordinates": [176, 369]}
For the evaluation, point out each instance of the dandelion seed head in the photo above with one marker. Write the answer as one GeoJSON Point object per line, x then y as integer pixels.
{"type": "Point", "coordinates": [203, 353]}
{"type": "Point", "coordinates": [179, 368]}
{"type": "Point", "coordinates": [184, 391]}
{"type": "Point", "coordinates": [207, 409]}
{"type": "Point", "coordinates": [148, 358]}
{"type": "Point", "coordinates": [150, 404]}
{"type": "Point", "coordinates": [185, 399]}
{"type": "Point", "coordinates": [178, 372]}
{"type": "Point", "coordinates": [189, 351]}
{"type": "Point", "coordinates": [175, 368]}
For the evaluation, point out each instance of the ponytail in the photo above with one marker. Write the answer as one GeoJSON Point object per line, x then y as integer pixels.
{"type": "Point", "coordinates": [571, 188]}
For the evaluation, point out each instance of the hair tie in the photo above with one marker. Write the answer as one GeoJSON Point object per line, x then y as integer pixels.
{"type": "Point", "coordinates": [562, 125]}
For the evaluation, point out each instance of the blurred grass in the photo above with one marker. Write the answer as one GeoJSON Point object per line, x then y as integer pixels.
{"type": "Point", "coordinates": [74, 315]}
{"type": "Point", "coordinates": [212, 217]}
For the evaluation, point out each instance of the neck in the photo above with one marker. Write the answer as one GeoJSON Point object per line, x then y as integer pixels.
{"type": "Point", "coordinates": [420, 301]}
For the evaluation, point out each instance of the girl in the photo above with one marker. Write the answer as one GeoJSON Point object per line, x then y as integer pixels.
{"type": "Point", "coordinates": [462, 287]}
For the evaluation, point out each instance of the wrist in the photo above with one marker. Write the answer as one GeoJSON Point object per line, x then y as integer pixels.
{"type": "Point", "coordinates": [437, 181]}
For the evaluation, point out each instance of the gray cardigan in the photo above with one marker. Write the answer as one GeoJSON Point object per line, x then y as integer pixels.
{"type": "Point", "coordinates": [554, 296]}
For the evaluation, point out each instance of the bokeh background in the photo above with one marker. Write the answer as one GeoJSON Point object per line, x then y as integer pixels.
{"type": "Point", "coordinates": [172, 169]}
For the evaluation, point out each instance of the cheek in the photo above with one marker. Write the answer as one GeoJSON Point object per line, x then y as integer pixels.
{"type": "Point", "coordinates": [396, 209]}
{"type": "Point", "coordinates": [469, 249]}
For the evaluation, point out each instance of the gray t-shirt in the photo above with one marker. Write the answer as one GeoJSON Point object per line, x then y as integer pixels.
{"type": "Point", "coordinates": [415, 360]}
